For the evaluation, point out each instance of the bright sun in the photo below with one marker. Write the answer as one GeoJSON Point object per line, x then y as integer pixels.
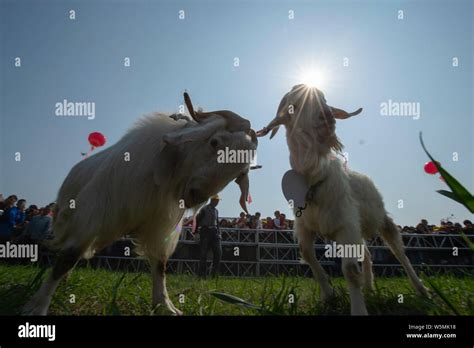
{"type": "Point", "coordinates": [313, 78]}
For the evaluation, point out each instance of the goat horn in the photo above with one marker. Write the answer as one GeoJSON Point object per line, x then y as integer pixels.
{"type": "Point", "coordinates": [189, 105]}
{"type": "Point", "coordinates": [235, 123]}
{"type": "Point", "coordinates": [342, 114]}
{"type": "Point", "coordinates": [272, 126]}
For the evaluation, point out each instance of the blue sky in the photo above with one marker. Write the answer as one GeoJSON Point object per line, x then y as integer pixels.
{"type": "Point", "coordinates": [407, 60]}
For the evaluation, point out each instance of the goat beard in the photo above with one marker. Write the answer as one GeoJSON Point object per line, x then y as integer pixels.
{"type": "Point", "coordinates": [328, 137]}
{"type": "Point", "coordinates": [334, 143]}
{"type": "Point", "coordinates": [308, 152]}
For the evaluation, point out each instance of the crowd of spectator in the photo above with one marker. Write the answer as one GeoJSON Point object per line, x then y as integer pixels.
{"type": "Point", "coordinates": [445, 227]}
{"type": "Point", "coordinates": [21, 224]}
{"type": "Point", "coordinates": [254, 222]}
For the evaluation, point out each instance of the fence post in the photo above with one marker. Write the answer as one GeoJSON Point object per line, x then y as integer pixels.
{"type": "Point", "coordinates": [257, 240]}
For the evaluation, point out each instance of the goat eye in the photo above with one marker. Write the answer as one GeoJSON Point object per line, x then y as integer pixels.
{"type": "Point", "coordinates": [214, 142]}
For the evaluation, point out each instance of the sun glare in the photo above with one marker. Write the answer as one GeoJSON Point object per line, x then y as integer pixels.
{"type": "Point", "coordinates": [313, 78]}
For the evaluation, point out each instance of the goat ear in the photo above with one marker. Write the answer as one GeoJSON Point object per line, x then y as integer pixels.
{"type": "Point", "coordinates": [342, 114]}
{"type": "Point", "coordinates": [194, 133]}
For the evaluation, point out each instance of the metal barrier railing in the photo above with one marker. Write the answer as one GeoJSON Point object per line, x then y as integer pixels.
{"type": "Point", "coordinates": [277, 253]}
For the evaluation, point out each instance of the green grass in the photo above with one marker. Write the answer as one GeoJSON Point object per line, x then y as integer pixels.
{"type": "Point", "coordinates": [101, 292]}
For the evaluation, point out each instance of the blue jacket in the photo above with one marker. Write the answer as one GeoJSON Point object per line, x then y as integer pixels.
{"type": "Point", "coordinates": [13, 217]}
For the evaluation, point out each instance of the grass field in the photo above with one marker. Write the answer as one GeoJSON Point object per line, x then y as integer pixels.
{"type": "Point", "coordinates": [101, 292]}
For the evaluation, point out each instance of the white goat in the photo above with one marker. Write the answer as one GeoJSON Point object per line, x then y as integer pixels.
{"type": "Point", "coordinates": [342, 205]}
{"type": "Point", "coordinates": [173, 165]}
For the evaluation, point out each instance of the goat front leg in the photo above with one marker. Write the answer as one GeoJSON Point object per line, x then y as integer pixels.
{"type": "Point", "coordinates": [39, 304]}
{"type": "Point", "coordinates": [306, 243]}
{"type": "Point", "coordinates": [160, 299]}
{"type": "Point", "coordinates": [353, 276]}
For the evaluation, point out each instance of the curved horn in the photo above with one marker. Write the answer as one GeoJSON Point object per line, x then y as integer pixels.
{"type": "Point", "coordinates": [273, 126]}
{"type": "Point", "coordinates": [235, 123]}
{"type": "Point", "coordinates": [189, 105]}
{"type": "Point", "coordinates": [342, 114]}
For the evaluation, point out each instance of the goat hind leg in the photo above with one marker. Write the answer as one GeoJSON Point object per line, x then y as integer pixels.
{"type": "Point", "coordinates": [367, 270]}
{"type": "Point", "coordinates": [160, 298]}
{"type": "Point", "coordinates": [393, 239]}
{"type": "Point", "coordinates": [39, 303]}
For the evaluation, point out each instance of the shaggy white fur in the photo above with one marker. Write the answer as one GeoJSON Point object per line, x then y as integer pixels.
{"type": "Point", "coordinates": [346, 207]}
{"type": "Point", "coordinates": [105, 197]}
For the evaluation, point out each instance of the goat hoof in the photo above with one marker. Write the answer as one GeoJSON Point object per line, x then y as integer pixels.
{"type": "Point", "coordinates": [327, 295]}
{"type": "Point", "coordinates": [424, 291]}
{"type": "Point", "coordinates": [166, 308]}
{"type": "Point", "coordinates": [369, 288]}
{"type": "Point", "coordinates": [360, 312]}
{"type": "Point", "coordinates": [178, 312]}
{"type": "Point", "coordinates": [29, 310]}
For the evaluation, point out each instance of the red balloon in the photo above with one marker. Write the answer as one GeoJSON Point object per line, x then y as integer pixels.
{"type": "Point", "coordinates": [430, 168]}
{"type": "Point", "coordinates": [97, 139]}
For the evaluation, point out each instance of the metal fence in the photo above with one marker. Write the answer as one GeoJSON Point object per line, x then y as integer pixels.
{"type": "Point", "coordinates": [253, 253]}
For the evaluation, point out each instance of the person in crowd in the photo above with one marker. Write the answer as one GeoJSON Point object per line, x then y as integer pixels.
{"type": "Point", "coordinates": [277, 220]}
{"type": "Point", "coordinates": [256, 223]}
{"type": "Point", "coordinates": [268, 225]}
{"type": "Point", "coordinates": [242, 221]}
{"type": "Point", "coordinates": [188, 221]}
{"type": "Point", "coordinates": [31, 212]}
{"type": "Point", "coordinates": [449, 228]}
{"type": "Point", "coordinates": [208, 223]}
{"type": "Point", "coordinates": [8, 203]}
{"type": "Point", "coordinates": [20, 220]}
{"type": "Point", "coordinates": [457, 228]}
{"type": "Point", "coordinates": [12, 221]}
{"type": "Point", "coordinates": [52, 208]}
{"type": "Point", "coordinates": [442, 226]}
{"type": "Point", "coordinates": [468, 227]}
{"type": "Point", "coordinates": [39, 228]}
{"type": "Point", "coordinates": [6, 224]}
{"type": "Point", "coordinates": [283, 222]}
{"type": "Point", "coordinates": [422, 227]}
{"type": "Point", "coordinates": [249, 220]}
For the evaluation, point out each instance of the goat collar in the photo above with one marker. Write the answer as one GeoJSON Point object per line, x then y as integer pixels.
{"type": "Point", "coordinates": [296, 189]}
{"type": "Point", "coordinates": [313, 190]}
